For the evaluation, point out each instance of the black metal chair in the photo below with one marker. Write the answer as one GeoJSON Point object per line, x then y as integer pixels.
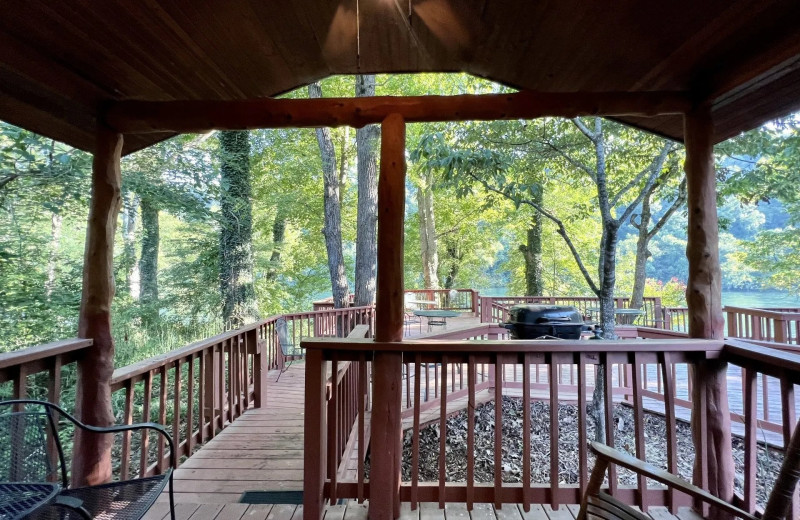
{"type": "Point", "coordinates": [35, 443]}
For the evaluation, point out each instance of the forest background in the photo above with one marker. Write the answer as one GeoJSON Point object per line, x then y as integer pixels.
{"type": "Point", "coordinates": [220, 228]}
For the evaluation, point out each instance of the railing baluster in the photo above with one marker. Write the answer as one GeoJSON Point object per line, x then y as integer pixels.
{"type": "Point", "coordinates": [554, 499]}
{"type": "Point", "coordinates": [145, 440]}
{"type": "Point", "coordinates": [470, 432]}
{"type": "Point", "coordinates": [176, 409]}
{"type": "Point", "coordinates": [526, 432]}
{"type": "Point", "coordinates": [608, 397]}
{"type": "Point", "coordinates": [333, 426]}
{"type": "Point", "coordinates": [220, 367]}
{"type": "Point", "coordinates": [498, 430]}
{"type": "Point", "coordinates": [203, 390]}
{"type": "Point", "coordinates": [668, 371]}
{"type": "Point", "coordinates": [415, 434]}
{"type": "Point", "coordinates": [443, 436]}
{"type": "Point", "coordinates": [583, 462]}
{"type": "Point", "coordinates": [54, 396]}
{"type": "Point", "coordinates": [362, 410]}
{"type": "Point", "coordinates": [750, 378]}
{"type": "Point", "coordinates": [638, 421]}
{"type": "Point", "coordinates": [190, 407]}
{"type": "Point", "coordinates": [127, 418]}
{"type": "Point", "coordinates": [162, 415]}
{"type": "Point", "coordinates": [789, 419]}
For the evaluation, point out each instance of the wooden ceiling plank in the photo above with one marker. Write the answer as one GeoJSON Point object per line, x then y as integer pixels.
{"type": "Point", "coordinates": [201, 116]}
{"type": "Point", "coordinates": [41, 121]}
{"type": "Point", "coordinates": [48, 74]}
{"type": "Point", "coordinates": [711, 34]}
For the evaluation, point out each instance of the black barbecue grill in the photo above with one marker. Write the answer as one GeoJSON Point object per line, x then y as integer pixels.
{"type": "Point", "coordinates": [545, 321]}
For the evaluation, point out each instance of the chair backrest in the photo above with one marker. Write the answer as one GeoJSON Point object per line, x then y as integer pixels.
{"type": "Point", "coordinates": [29, 447]}
{"type": "Point", "coordinates": [282, 329]}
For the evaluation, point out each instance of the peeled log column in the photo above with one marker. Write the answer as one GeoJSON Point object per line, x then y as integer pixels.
{"type": "Point", "coordinates": [384, 491]}
{"type": "Point", "coordinates": [704, 298]}
{"type": "Point", "coordinates": [91, 461]}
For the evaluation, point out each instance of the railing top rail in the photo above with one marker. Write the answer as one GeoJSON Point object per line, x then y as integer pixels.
{"type": "Point", "coordinates": [146, 365]}
{"type": "Point", "coordinates": [764, 313]}
{"type": "Point", "coordinates": [517, 346]}
{"type": "Point", "coordinates": [27, 355]}
{"type": "Point", "coordinates": [306, 314]}
{"type": "Point", "coordinates": [770, 361]}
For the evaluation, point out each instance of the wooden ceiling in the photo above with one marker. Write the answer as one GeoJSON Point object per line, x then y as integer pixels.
{"type": "Point", "coordinates": [63, 63]}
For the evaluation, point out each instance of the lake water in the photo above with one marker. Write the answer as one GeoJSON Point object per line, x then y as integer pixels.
{"type": "Point", "coordinates": [768, 298]}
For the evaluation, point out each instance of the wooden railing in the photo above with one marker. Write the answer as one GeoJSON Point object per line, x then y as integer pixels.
{"type": "Point", "coordinates": [495, 309]}
{"type": "Point", "coordinates": [464, 300]}
{"type": "Point", "coordinates": [676, 318]}
{"type": "Point", "coordinates": [504, 358]}
{"type": "Point", "coordinates": [42, 371]}
{"type": "Point", "coordinates": [774, 325]}
{"type": "Point", "coordinates": [196, 391]}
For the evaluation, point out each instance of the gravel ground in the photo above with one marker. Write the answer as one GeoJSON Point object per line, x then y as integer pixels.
{"type": "Point", "coordinates": [769, 460]}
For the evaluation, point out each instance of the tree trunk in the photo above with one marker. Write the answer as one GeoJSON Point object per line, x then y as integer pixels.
{"type": "Point", "coordinates": [454, 257]}
{"type": "Point", "coordinates": [366, 225]}
{"type": "Point", "coordinates": [332, 228]}
{"type": "Point", "coordinates": [91, 463]}
{"type": "Point", "coordinates": [236, 230]}
{"type": "Point", "coordinates": [56, 221]}
{"type": "Point", "coordinates": [278, 237]}
{"type": "Point", "coordinates": [427, 232]}
{"type": "Point", "coordinates": [532, 252]}
{"type": "Point", "coordinates": [148, 262]}
{"type": "Point", "coordinates": [642, 254]}
{"type": "Point", "coordinates": [128, 261]}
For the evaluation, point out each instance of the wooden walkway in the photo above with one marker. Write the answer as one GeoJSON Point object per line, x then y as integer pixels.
{"type": "Point", "coordinates": [261, 451]}
{"type": "Point", "coordinates": [355, 511]}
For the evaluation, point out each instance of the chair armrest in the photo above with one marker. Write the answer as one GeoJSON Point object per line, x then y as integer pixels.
{"type": "Point", "coordinates": [648, 470]}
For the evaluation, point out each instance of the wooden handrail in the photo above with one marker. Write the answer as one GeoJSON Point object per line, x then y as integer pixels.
{"type": "Point", "coordinates": [769, 361]}
{"type": "Point", "coordinates": [38, 352]}
{"type": "Point", "coordinates": [764, 313]}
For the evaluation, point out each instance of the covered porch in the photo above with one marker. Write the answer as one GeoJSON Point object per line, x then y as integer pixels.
{"type": "Point", "coordinates": [114, 78]}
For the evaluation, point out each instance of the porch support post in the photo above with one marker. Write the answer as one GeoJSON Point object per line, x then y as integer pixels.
{"type": "Point", "coordinates": [92, 457]}
{"type": "Point", "coordinates": [384, 491]}
{"type": "Point", "coordinates": [704, 298]}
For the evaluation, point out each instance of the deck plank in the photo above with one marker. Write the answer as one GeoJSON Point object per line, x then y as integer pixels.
{"type": "Point", "coordinates": [282, 512]}
{"type": "Point", "coordinates": [562, 513]}
{"type": "Point", "coordinates": [430, 511]}
{"type": "Point", "coordinates": [536, 512]}
{"type": "Point", "coordinates": [660, 513]}
{"type": "Point", "coordinates": [335, 512]}
{"type": "Point", "coordinates": [508, 512]}
{"type": "Point", "coordinates": [257, 512]}
{"type": "Point", "coordinates": [456, 511]}
{"type": "Point", "coordinates": [207, 512]}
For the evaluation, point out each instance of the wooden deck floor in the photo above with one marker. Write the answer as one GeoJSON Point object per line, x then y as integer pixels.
{"type": "Point", "coordinates": [355, 511]}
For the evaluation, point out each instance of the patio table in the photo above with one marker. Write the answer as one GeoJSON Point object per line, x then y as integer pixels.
{"type": "Point", "coordinates": [437, 317]}
{"type": "Point", "coordinates": [19, 499]}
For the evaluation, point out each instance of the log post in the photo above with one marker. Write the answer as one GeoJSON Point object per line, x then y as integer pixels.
{"type": "Point", "coordinates": [384, 491]}
{"type": "Point", "coordinates": [704, 298]}
{"type": "Point", "coordinates": [92, 457]}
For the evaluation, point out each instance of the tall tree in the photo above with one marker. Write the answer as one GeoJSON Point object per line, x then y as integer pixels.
{"type": "Point", "coordinates": [148, 265]}
{"type": "Point", "coordinates": [641, 221]}
{"type": "Point", "coordinates": [236, 229]}
{"type": "Point", "coordinates": [427, 230]}
{"type": "Point", "coordinates": [367, 139]}
{"type": "Point", "coordinates": [332, 228]}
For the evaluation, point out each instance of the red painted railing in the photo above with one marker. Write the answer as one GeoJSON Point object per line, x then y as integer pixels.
{"type": "Point", "coordinates": [495, 309]}
{"type": "Point", "coordinates": [512, 363]}
{"type": "Point", "coordinates": [773, 325]}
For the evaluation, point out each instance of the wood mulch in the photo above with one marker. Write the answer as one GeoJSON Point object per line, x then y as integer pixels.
{"type": "Point", "coordinates": [769, 459]}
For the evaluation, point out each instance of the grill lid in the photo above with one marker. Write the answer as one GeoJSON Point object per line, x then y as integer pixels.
{"type": "Point", "coordinates": [544, 314]}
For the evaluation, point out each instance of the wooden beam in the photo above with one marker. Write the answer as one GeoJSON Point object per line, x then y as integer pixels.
{"type": "Point", "coordinates": [92, 462]}
{"type": "Point", "coordinates": [132, 117]}
{"type": "Point", "coordinates": [704, 298]}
